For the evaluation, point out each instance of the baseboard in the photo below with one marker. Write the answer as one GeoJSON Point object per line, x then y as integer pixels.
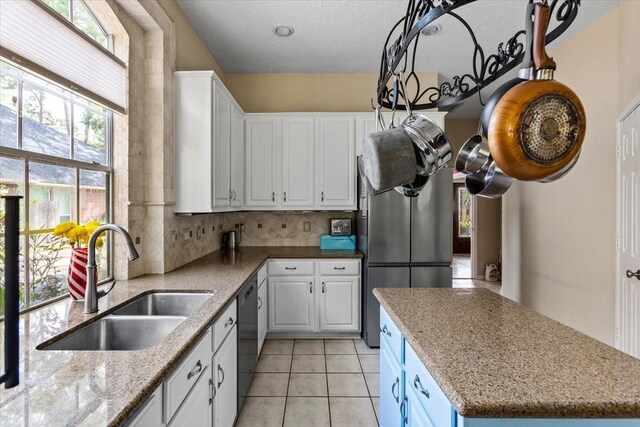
{"type": "Point", "coordinates": [313, 335]}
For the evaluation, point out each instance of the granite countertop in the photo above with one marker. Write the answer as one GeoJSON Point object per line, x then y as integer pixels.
{"type": "Point", "coordinates": [495, 358]}
{"type": "Point", "coordinates": [105, 387]}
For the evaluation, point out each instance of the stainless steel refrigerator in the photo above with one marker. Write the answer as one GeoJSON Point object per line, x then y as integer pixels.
{"type": "Point", "coordinates": [407, 242]}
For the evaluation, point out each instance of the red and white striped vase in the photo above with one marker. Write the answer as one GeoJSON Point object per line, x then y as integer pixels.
{"type": "Point", "coordinates": [77, 277]}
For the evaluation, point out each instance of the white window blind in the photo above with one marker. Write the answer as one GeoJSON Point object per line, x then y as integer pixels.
{"type": "Point", "coordinates": [35, 37]}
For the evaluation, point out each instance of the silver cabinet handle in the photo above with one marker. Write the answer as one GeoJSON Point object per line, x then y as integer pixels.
{"type": "Point", "coordinates": [228, 322]}
{"type": "Point", "coordinates": [393, 387]}
{"type": "Point", "coordinates": [212, 391]}
{"type": "Point", "coordinates": [323, 288]}
{"type": "Point", "coordinates": [631, 274]}
{"type": "Point", "coordinates": [291, 268]}
{"type": "Point", "coordinates": [234, 195]}
{"type": "Point", "coordinates": [195, 371]}
{"type": "Point", "coordinates": [403, 410]}
{"type": "Point", "coordinates": [339, 268]}
{"type": "Point", "coordinates": [273, 196]}
{"type": "Point", "coordinates": [220, 372]}
{"type": "Point", "coordinates": [418, 385]}
{"type": "Point", "coordinates": [310, 287]}
{"type": "Point", "coordinates": [385, 330]}
{"type": "Point", "coordinates": [285, 196]}
{"type": "Point", "coordinates": [322, 196]}
{"type": "Point", "coordinates": [259, 303]}
{"type": "Point", "coordinates": [230, 195]}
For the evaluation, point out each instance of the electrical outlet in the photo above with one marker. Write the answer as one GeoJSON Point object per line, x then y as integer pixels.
{"type": "Point", "coordinates": [186, 235]}
{"type": "Point", "coordinates": [306, 226]}
{"type": "Point", "coordinates": [174, 238]}
{"type": "Point", "coordinates": [198, 232]}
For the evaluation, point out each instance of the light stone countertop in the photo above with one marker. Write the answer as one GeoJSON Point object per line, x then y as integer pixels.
{"type": "Point", "coordinates": [494, 358]}
{"type": "Point", "coordinates": [97, 388]}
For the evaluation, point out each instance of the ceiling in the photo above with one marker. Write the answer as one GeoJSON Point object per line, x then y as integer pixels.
{"type": "Point", "coordinates": [348, 35]}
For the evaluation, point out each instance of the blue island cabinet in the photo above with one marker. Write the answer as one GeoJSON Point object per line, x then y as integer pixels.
{"type": "Point", "coordinates": [410, 397]}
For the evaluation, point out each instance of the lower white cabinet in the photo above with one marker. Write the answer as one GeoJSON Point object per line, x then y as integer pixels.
{"type": "Point", "coordinates": [291, 303]}
{"type": "Point", "coordinates": [340, 303]}
{"type": "Point", "coordinates": [262, 313]}
{"type": "Point", "coordinates": [197, 408]}
{"type": "Point", "coordinates": [151, 413]}
{"type": "Point", "coordinates": [225, 379]}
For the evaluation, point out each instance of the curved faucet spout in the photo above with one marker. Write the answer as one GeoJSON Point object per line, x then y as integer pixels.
{"type": "Point", "coordinates": [91, 292]}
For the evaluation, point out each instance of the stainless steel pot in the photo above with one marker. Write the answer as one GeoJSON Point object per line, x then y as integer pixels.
{"type": "Point", "coordinates": [433, 147]}
{"type": "Point", "coordinates": [488, 182]}
{"type": "Point", "coordinates": [474, 155]}
{"type": "Point", "coordinates": [413, 189]}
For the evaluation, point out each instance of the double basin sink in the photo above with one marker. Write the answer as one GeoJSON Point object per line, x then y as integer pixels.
{"type": "Point", "coordinates": [142, 323]}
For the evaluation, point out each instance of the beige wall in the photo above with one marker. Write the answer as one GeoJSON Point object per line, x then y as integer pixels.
{"type": "Point", "coordinates": [559, 238]}
{"type": "Point", "coordinates": [318, 92]}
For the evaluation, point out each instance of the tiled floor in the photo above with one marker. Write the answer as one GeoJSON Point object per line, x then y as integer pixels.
{"type": "Point", "coordinates": [314, 383]}
{"type": "Point", "coordinates": [461, 266]}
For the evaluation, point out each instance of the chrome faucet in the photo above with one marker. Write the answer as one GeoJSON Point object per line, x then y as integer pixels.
{"type": "Point", "coordinates": [91, 294]}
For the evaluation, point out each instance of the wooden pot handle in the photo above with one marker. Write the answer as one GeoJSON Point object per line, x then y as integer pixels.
{"type": "Point", "coordinates": [541, 24]}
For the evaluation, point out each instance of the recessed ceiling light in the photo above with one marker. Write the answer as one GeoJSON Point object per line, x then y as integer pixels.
{"type": "Point", "coordinates": [283, 30]}
{"type": "Point", "coordinates": [431, 30]}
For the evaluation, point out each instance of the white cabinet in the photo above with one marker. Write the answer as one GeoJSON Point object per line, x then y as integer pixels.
{"type": "Point", "coordinates": [298, 171]}
{"type": "Point", "coordinates": [207, 144]}
{"type": "Point", "coordinates": [151, 413]}
{"type": "Point", "coordinates": [336, 162]}
{"type": "Point", "coordinates": [261, 165]}
{"type": "Point", "coordinates": [237, 158]}
{"type": "Point", "coordinates": [225, 379]}
{"type": "Point", "coordinates": [291, 303]}
{"type": "Point", "coordinates": [197, 408]}
{"type": "Point", "coordinates": [340, 303]}
{"type": "Point", "coordinates": [262, 313]}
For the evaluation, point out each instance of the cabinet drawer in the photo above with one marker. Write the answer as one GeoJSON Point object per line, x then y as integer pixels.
{"type": "Point", "coordinates": [177, 386]}
{"type": "Point", "coordinates": [262, 274]}
{"type": "Point", "coordinates": [224, 324]}
{"type": "Point", "coordinates": [339, 267]}
{"type": "Point", "coordinates": [427, 391]}
{"type": "Point", "coordinates": [390, 333]}
{"type": "Point", "coordinates": [291, 268]}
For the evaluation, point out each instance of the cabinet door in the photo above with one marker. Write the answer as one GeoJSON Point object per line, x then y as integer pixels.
{"type": "Point", "coordinates": [262, 314]}
{"type": "Point", "coordinates": [291, 304]}
{"type": "Point", "coordinates": [390, 388]}
{"type": "Point", "coordinates": [197, 408]}
{"type": "Point", "coordinates": [151, 413]}
{"type": "Point", "coordinates": [298, 162]}
{"type": "Point", "coordinates": [261, 165]}
{"type": "Point", "coordinates": [225, 378]}
{"type": "Point", "coordinates": [336, 162]}
{"type": "Point", "coordinates": [222, 143]}
{"type": "Point", "coordinates": [414, 413]}
{"type": "Point", "coordinates": [237, 157]}
{"type": "Point", "coordinates": [340, 303]}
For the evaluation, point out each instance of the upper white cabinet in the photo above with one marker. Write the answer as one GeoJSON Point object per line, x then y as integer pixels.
{"type": "Point", "coordinates": [298, 169]}
{"type": "Point", "coordinates": [336, 161]}
{"type": "Point", "coordinates": [209, 137]}
{"type": "Point", "coordinates": [261, 166]}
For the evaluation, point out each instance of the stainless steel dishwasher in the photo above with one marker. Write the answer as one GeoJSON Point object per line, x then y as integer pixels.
{"type": "Point", "coordinates": [247, 337]}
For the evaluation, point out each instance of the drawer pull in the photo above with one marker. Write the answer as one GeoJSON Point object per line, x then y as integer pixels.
{"type": "Point", "coordinates": [393, 387]}
{"type": "Point", "coordinates": [339, 268]}
{"type": "Point", "coordinates": [195, 371]}
{"type": "Point", "coordinates": [228, 322]}
{"type": "Point", "coordinates": [418, 385]}
{"type": "Point", "coordinates": [385, 330]}
{"type": "Point", "coordinates": [323, 288]}
{"type": "Point", "coordinates": [403, 411]}
{"type": "Point", "coordinates": [259, 303]}
{"type": "Point", "coordinates": [291, 268]}
{"type": "Point", "coordinates": [212, 391]}
{"type": "Point", "coordinates": [310, 287]}
{"type": "Point", "coordinates": [220, 372]}
{"type": "Point", "coordinates": [273, 196]}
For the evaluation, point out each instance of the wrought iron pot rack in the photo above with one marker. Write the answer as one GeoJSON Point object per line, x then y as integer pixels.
{"type": "Point", "coordinates": [399, 56]}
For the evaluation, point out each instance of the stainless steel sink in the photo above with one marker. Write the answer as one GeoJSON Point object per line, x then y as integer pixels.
{"type": "Point", "coordinates": [119, 333]}
{"type": "Point", "coordinates": [164, 304]}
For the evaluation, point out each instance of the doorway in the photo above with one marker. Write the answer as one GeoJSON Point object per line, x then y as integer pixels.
{"type": "Point", "coordinates": [462, 231]}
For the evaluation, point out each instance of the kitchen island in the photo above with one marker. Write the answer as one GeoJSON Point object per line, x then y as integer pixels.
{"type": "Point", "coordinates": [471, 358]}
{"type": "Point", "coordinates": [98, 388]}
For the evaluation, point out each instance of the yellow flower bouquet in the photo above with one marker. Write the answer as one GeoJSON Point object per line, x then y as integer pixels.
{"type": "Point", "coordinates": [78, 235]}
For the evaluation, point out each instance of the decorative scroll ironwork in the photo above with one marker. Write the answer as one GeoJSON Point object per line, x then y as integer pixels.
{"type": "Point", "coordinates": [399, 54]}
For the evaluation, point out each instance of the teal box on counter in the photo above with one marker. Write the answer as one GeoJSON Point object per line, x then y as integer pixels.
{"type": "Point", "coordinates": [337, 242]}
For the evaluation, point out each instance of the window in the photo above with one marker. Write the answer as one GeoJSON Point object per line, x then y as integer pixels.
{"type": "Point", "coordinates": [55, 151]}
{"type": "Point", "coordinates": [77, 12]}
{"type": "Point", "coordinates": [464, 212]}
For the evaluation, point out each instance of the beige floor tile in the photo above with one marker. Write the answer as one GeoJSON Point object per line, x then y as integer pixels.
{"type": "Point", "coordinates": [308, 385]}
{"type": "Point", "coordinates": [370, 362]}
{"type": "Point", "coordinates": [373, 383]}
{"type": "Point", "coordinates": [363, 348]}
{"type": "Point", "coordinates": [343, 385]}
{"type": "Point", "coordinates": [277, 347]}
{"type": "Point", "coordinates": [352, 412]}
{"type": "Point", "coordinates": [376, 406]}
{"type": "Point", "coordinates": [262, 412]}
{"type": "Point", "coordinates": [309, 347]}
{"type": "Point", "coordinates": [274, 363]}
{"type": "Point", "coordinates": [307, 411]}
{"type": "Point", "coordinates": [269, 385]}
{"type": "Point", "coordinates": [339, 347]}
{"type": "Point", "coordinates": [343, 363]}
{"type": "Point", "coordinates": [308, 363]}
